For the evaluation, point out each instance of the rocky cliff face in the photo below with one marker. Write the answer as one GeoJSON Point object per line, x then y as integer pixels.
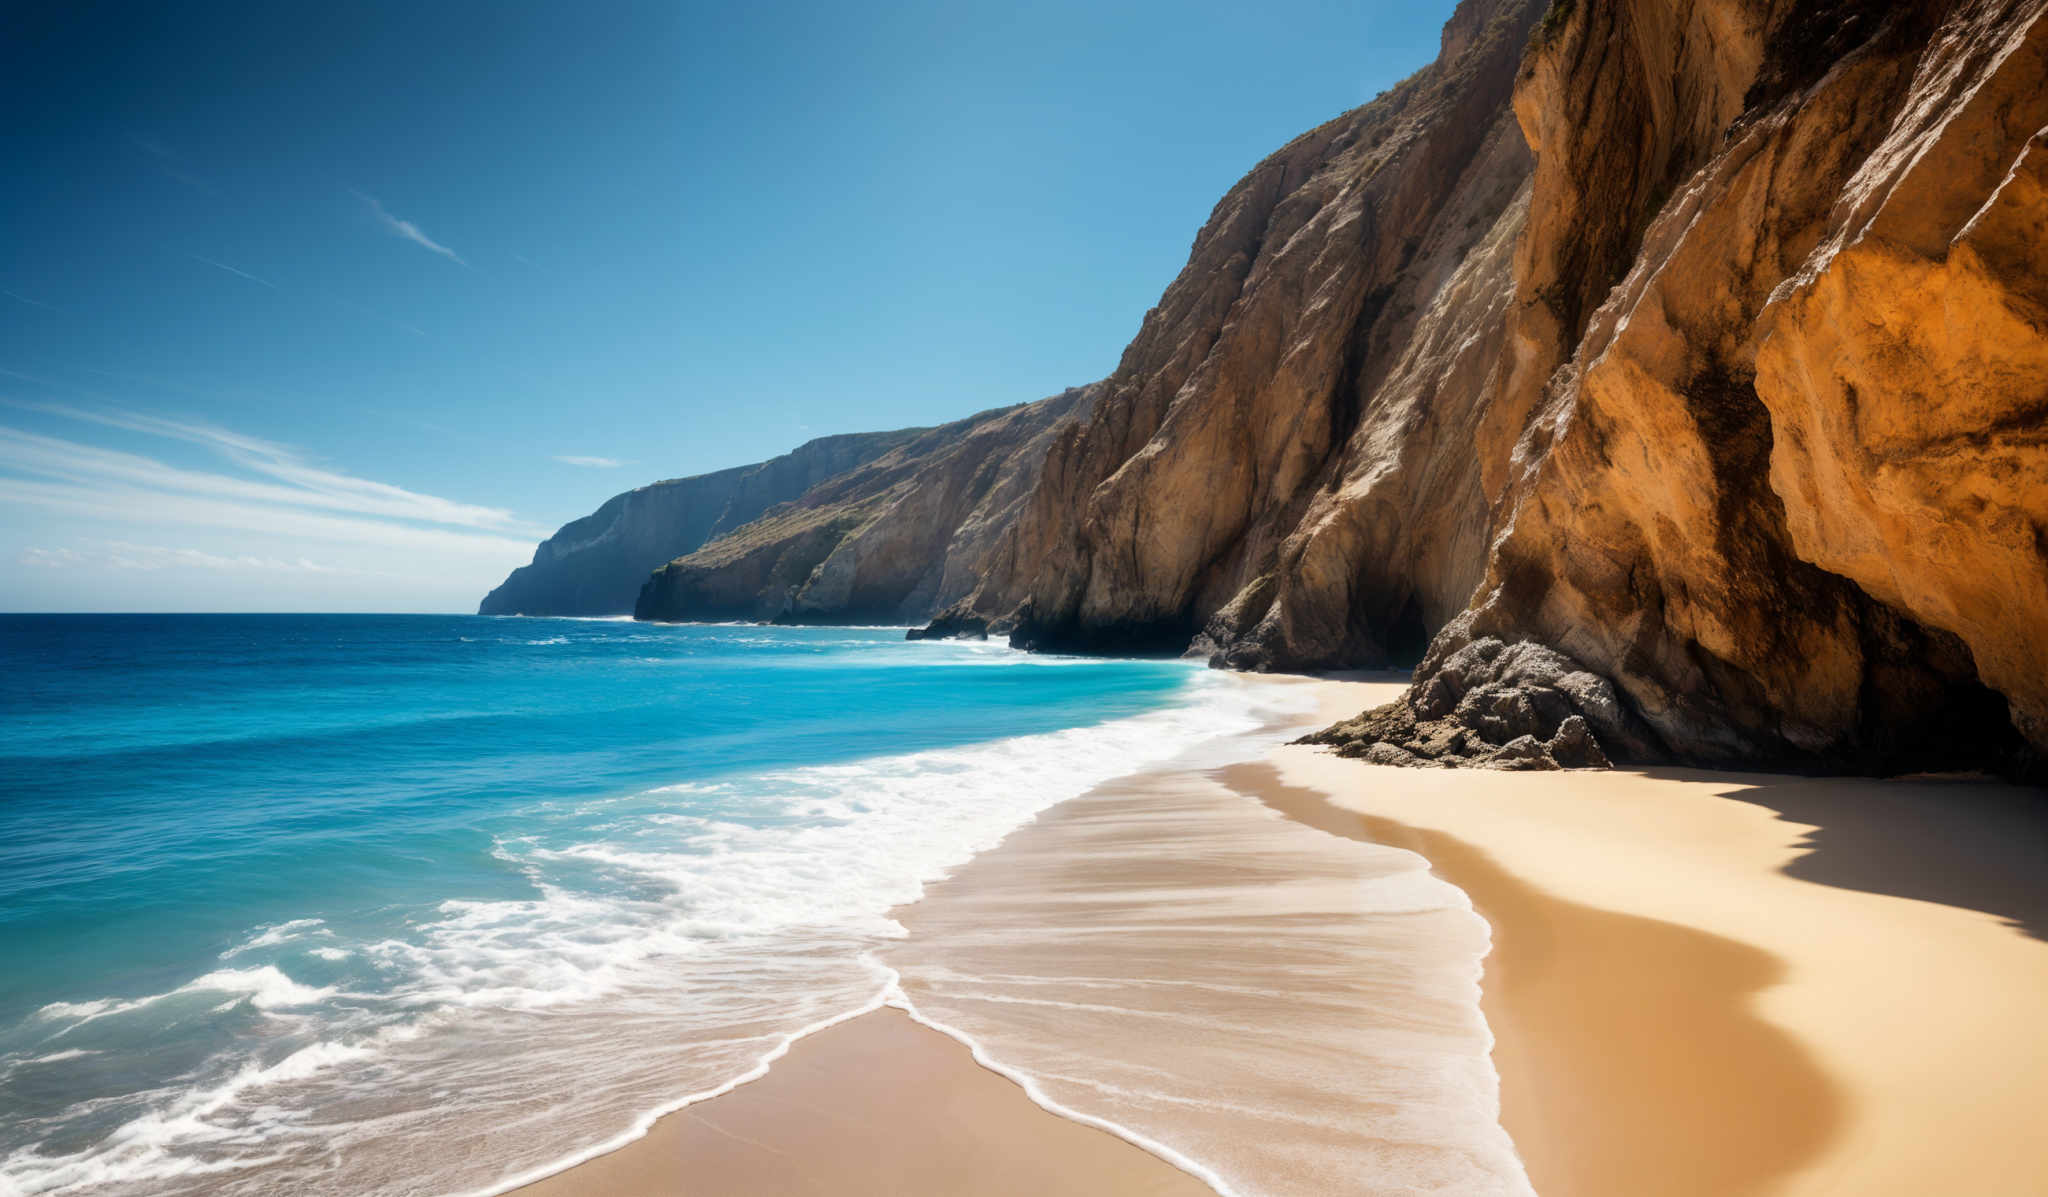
{"type": "Point", "coordinates": [1668, 377]}
{"type": "Point", "coordinates": [1281, 463]}
{"type": "Point", "coordinates": [597, 564]}
{"type": "Point", "coordinates": [1775, 375]}
{"type": "Point", "coordinates": [1696, 351]}
{"type": "Point", "coordinates": [891, 541]}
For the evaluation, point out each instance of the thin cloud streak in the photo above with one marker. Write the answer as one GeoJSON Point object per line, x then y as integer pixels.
{"type": "Point", "coordinates": [34, 303]}
{"type": "Point", "coordinates": [135, 505]}
{"type": "Point", "coordinates": [264, 282]}
{"type": "Point", "coordinates": [408, 230]}
{"type": "Point", "coordinates": [121, 554]}
{"type": "Point", "coordinates": [305, 485]}
{"type": "Point", "coordinates": [590, 463]}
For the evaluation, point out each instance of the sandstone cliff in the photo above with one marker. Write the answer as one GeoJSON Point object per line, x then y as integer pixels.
{"type": "Point", "coordinates": [1281, 463]}
{"type": "Point", "coordinates": [1772, 417]}
{"type": "Point", "coordinates": [1669, 378]}
{"type": "Point", "coordinates": [891, 541]}
{"type": "Point", "coordinates": [1691, 357]}
{"type": "Point", "coordinates": [597, 564]}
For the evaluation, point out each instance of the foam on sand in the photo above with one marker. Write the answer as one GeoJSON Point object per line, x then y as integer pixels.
{"type": "Point", "coordinates": [661, 949]}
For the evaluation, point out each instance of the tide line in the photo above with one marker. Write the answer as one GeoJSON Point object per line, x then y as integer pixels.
{"type": "Point", "coordinates": [889, 995]}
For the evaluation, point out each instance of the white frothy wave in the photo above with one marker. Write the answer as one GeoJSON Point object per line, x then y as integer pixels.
{"type": "Point", "coordinates": [794, 864]}
{"type": "Point", "coordinates": [273, 935]}
{"type": "Point", "coordinates": [265, 988]}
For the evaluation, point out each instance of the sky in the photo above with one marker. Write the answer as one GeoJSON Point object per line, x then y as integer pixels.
{"type": "Point", "coordinates": [343, 307]}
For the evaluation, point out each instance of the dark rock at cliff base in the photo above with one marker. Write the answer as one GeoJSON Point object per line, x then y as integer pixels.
{"type": "Point", "coordinates": [1484, 703]}
{"type": "Point", "coordinates": [951, 627]}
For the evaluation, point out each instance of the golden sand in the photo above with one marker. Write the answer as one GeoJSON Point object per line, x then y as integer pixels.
{"type": "Point", "coordinates": [1740, 983]}
{"type": "Point", "coordinates": [1698, 984]}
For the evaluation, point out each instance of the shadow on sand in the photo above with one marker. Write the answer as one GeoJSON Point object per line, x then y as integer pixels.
{"type": "Point", "coordinates": [1631, 1059]}
{"type": "Point", "coordinates": [1977, 845]}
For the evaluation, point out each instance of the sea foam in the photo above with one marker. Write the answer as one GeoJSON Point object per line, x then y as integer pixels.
{"type": "Point", "coordinates": [675, 937]}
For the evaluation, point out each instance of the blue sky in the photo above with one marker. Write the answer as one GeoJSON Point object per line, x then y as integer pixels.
{"type": "Point", "coordinates": [342, 307]}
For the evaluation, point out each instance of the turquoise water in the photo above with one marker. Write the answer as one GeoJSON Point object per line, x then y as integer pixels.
{"type": "Point", "coordinates": [419, 903]}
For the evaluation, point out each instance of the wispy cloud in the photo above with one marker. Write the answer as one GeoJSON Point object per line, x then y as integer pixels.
{"type": "Point", "coordinates": [408, 230]}
{"type": "Point", "coordinates": [590, 463]}
{"type": "Point", "coordinates": [168, 160]}
{"type": "Point", "coordinates": [122, 554]}
{"type": "Point", "coordinates": [34, 303]}
{"type": "Point", "coordinates": [304, 484]}
{"type": "Point", "coordinates": [287, 496]}
{"type": "Point", "coordinates": [261, 282]}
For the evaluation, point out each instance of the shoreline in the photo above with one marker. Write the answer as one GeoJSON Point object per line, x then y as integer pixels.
{"type": "Point", "coordinates": [785, 1101]}
{"type": "Point", "coordinates": [1708, 983]}
{"type": "Point", "coordinates": [1676, 997]}
{"type": "Point", "coordinates": [670, 1142]}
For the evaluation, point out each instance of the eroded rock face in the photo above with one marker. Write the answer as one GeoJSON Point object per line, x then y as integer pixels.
{"type": "Point", "coordinates": [890, 541]}
{"type": "Point", "coordinates": [597, 564]}
{"type": "Point", "coordinates": [1668, 377]}
{"type": "Point", "coordinates": [1783, 483]}
{"type": "Point", "coordinates": [1905, 365]}
{"type": "Point", "coordinates": [1281, 463]}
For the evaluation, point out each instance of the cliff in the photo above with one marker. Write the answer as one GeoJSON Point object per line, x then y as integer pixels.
{"type": "Point", "coordinates": [1281, 469]}
{"type": "Point", "coordinates": [890, 541]}
{"type": "Point", "coordinates": [1681, 372]}
{"type": "Point", "coordinates": [1779, 465]}
{"type": "Point", "coordinates": [1663, 379]}
{"type": "Point", "coordinates": [597, 564]}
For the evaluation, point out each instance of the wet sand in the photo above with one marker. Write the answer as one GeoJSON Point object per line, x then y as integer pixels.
{"type": "Point", "coordinates": [1279, 1009]}
{"type": "Point", "coordinates": [1297, 1011]}
{"type": "Point", "coordinates": [875, 1105]}
{"type": "Point", "coordinates": [1697, 984]}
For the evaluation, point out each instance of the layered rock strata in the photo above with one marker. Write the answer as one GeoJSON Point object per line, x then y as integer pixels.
{"type": "Point", "coordinates": [1740, 404]}
{"type": "Point", "coordinates": [1668, 377]}
{"type": "Point", "coordinates": [1281, 464]}
{"type": "Point", "coordinates": [1780, 461]}
{"type": "Point", "coordinates": [888, 542]}
{"type": "Point", "coordinates": [596, 565]}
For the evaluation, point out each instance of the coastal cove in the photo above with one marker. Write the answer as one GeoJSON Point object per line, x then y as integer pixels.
{"type": "Point", "coordinates": [1690, 986]}
{"type": "Point", "coordinates": [979, 600]}
{"type": "Point", "coordinates": [477, 857]}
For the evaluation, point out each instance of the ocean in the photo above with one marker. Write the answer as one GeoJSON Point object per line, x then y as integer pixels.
{"type": "Point", "coordinates": [424, 904]}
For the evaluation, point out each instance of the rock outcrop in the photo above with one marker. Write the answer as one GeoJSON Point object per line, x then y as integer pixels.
{"type": "Point", "coordinates": [596, 565]}
{"type": "Point", "coordinates": [891, 541]}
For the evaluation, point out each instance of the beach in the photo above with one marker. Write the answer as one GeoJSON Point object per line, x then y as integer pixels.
{"type": "Point", "coordinates": [1261, 978]}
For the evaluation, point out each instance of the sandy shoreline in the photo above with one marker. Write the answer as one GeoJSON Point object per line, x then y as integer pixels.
{"type": "Point", "coordinates": [1742, 983]}
{"type": "Point", "coordinates": [875, 1105]}
{"type": "Point", "coordinates": [1698, 984]}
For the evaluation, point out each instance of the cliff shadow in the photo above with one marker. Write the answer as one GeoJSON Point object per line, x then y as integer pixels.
{"type": "Point", "coordinates": [1975, 844]}
{"type": "Point", "coordinates": [1630, 1055]}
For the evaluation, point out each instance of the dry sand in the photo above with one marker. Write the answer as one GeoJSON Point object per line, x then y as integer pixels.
{"type": "Point", "coordinates": [1736, 983]}
{"type": "Point", "coordinates": [1699, 984]}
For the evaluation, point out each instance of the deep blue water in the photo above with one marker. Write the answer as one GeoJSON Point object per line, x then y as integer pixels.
{"type": "Point", "coordinates": [272, 888]}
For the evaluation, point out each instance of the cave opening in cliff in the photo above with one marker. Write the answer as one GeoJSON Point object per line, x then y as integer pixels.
{"type": "Point", "coordinates": [1407, 637]}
